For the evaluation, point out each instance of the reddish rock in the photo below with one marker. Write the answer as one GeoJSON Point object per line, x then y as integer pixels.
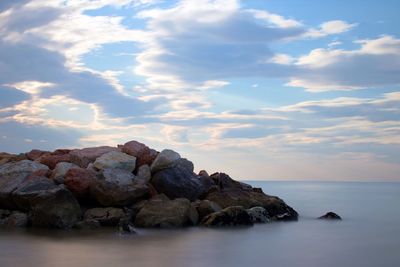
{"type": "Point", "coordinates": [78, 181]}
{"type": "Point", "coordinates": [143, 153]}
{"type": "Point", "coordinates": [51, 160]}
{"type": "Point", "coordinates": [62, 151]}
{"type": "Point", "coordinates": [82, 157]}
{"type": "Point", "coordinates": [34, 154]}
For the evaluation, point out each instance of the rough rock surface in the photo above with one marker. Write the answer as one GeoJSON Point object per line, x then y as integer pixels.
{"type": "Point", "coordinates": [34, 154]}
{"type": "Point", "coordinates": [258, 215]}
{"type": "Point", "coordinates": [163, 213]}
{"type": "Point", "coordinates": [82, 157]}
{"type": "Point", "coordinates": [79, 180]}
{"type": "Point", "coordinates": [144, 174]}
{"type": "Point", "coordinates": [178, 181]}
{"type": "Point", "coordinates": [231, 216]}
{"type": "Point", "coordinates": [330, 216]}
{"type": "Point", "coordinates": [115, 160]}
{"type": "Point", "coordinates": [105, 216]}
{"type": "Point", "coordinates": [118, 188]}
{"type": "Point", "coordinates": [206, 207]}
{"type": "Point", "coordinates": [143, 153]}
{"type": "Point", "coordinates": [165, 159]}
{"type": "Point", "coordinates": [58, 174]}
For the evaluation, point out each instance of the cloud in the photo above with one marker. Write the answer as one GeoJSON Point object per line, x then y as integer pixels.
{"type": "Point", "coordinates": [330, 28]}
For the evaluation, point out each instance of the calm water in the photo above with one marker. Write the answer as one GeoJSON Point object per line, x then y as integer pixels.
{"type": "Point", "coordinates": [369, 235]}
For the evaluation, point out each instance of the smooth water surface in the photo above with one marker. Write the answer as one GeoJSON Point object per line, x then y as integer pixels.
{"type": "Point", "coordinates": [369, 236]}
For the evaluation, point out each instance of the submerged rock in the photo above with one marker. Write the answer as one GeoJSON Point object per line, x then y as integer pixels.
{"type": "Point", "coordinates": [162, 212]}
{"type": "Point", "coordinates": [330, 216]}
{"type": "Point", "coordinates": [231, 216]}
{"type": "Point", "coordinates": [105, 216]}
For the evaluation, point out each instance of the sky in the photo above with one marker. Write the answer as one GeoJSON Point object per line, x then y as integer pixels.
{"type": "Point", "coordinates": [259, 89]}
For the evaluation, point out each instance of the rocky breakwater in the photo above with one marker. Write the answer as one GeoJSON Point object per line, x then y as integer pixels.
{"type": "Point", "coordinates": [127, 186]}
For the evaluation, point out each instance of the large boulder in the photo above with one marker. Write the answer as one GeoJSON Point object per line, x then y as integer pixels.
{"type": "Point", "coordinates": [165, 159]}
{"type": "Point", "coordinates": [178, 181]}
{"type": "Point", "coordinates": [13, 174]}
{"type": "Point", "coordinates": [164, 213]}
{"type": "Point", "coordinates": [231, 216]}
{"type": "Point", "coordinates": [82, 157]}
{"type": "Point", "coordinates": [51, 160]}
{"type": "Point", "coordinates": [258, 215]}
{"type": "Point", "coordinates": [58, 174]}
{"type": "Point", "coordinates": [79, 180]}
{"type": "Point", "coordinates": [115, 160]}
{"type": "Point", "coordinates": [105, 216]}
{"type": "Point", "coordinates": [143, 153]}
{"type": "Point", "coordinates": [277, 209]}
{"type": "Point", "coordinates": [118, 187]}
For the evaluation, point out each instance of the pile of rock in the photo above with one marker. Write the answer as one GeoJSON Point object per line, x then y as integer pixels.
{"type": "Point", "coordinates": [128, 186]}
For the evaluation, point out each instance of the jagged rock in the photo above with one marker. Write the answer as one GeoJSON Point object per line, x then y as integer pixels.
{"type": "Point", "coordinates": [82, 157]}
{"type": "Point", "coordinates": [79, 180]}
{"type": "Point", "coordinates": [13, 174]}
{"type": "Point", "coordinates": [165, 159]}
{"type": "Point", "coordinates": [58, 174]}
{"type": "Point", "coordinates": [162, 212]}
{"type": "Point", "coordinates": [276, 207]}
{"type": "Point", "coordinates": [206, 207]}
{"type": "Point", "coordinates": [330, 216]}
{"type": "Point", "coordinates": [258, 215]}
{"type": "Point", "coordinates": [105, 216]}
{"type": "Point", "coordinates": [143, 153]}
{"type": "Point", "coordinates": [115, 160]}
{"type": "Point", "coordinates": [231, 216]}
{"type": "Point", "coordinates": [118, 188]}
{"type": "Point", "coordinates": [144, 174]}
{"type": "Point", "coordinates": [177, 182]}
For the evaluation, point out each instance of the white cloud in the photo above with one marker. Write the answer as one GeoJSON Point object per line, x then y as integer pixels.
{"type": "Point", "coordinates": [330, 28]}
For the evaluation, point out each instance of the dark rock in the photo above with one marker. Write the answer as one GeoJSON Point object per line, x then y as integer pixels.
{"type": "Point", "coordinates": [224, 181]}
{"type": "Point", "coordinates": [178, 182]}
{"type": "Point", "coordinates": [82, 157]}
{"type": "Point", "coordinates": [79, 180]}
{"type": "Point", "coordinates": [231, 216]}
{"type": "Point", "coordinates": [258, 215]}
{"type": "Point", "coordinates": [330, 216]}
{"type": "Point", "coordinates": [276, 207]}
{"type": "Point", "coordinates": [125, 226]}
{"type": "Point", "coordinates": [118, 188]}
{"type": "Point", "coordinates": [17, 219]}
{"type": "Point", "coordinates": [105, 216]}
{"type": "Point", "coordinates": [162, 212]}
{"type": "Point", "coordinates": [206, 207]}
{"type": "Point", "coordinates": [89, 224]}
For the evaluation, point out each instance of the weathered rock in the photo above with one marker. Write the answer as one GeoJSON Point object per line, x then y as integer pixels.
{"type": "Point", "coordinates": [167, 158]}
{"type": "Point", "coordinates": [51, 160]}
{"type": "Point", "coordinates": [258, 215]}
{"type": "Point", "coordinates": [79, 180]}
{"type": "Point", "coordinates": [82, 157]}
{"type": "Point", "coordinates": [105, 216]}
{"type": "Point", "coordinates": [330, 216]}
{"type": "Point", "coordinates": [55, 208]}
{"type": "Point", "coordinates": [115, 160]}
{"type": "Point", "coordinates": [12, 175]}
{"type": "Point", "coordinates": [144, 174]}
{"type": "Point", "coordinates": [276, 207]}
{"type": "Point", "coordinates": [58, 174]}
{"type": "Point", "coordinates": [178, 182]}
{"type": "Point", "coordinates": [162, 212]}
{"type": "Point", "coordinates": [223, 181]}
{"type": "Point", "coordinates": [206, 207]}
{"type": "Point", "coordinates": [118, 188]}
{"type": "Point", "coordinates": [143, 153]}
{"type": "Point", "coordinates": [231, 216]}
{"type": "Point", "coordinates": [34, 154]}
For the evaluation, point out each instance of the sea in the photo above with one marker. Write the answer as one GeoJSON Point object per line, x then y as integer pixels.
{"type": "Point", "coordinates": [368, 236]}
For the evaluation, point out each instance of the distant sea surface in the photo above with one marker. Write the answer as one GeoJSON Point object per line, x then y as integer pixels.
{"type": "Point", "coordinates": [368, 236]}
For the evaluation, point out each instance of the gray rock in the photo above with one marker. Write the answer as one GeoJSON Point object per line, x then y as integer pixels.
{"type": "Point", "coordinates": [162, 212]}
{"type": "Point", "coordinates": [105, 216]}
{"type": "Point", "coordinates": [60, 170]}
{"type": "Point", "coordinates": [231, 216]}
{"type": "Point", "coordinates": [82, 157]}
{"type": "Point", "coordinates": [115, 160]}
{"type": "Point", "coordinates": [118, 188]}
{"type": "Point", "coordinates": [164, 159]}
{"type": "Point", "coordinates": [258, 215]}
{"type": "Point", "coordinates": [144, 174]}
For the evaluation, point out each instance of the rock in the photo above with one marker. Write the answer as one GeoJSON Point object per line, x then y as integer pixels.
{"type": "Point", "coordinates": [165, 159]}
{"type": "Point", "coordinates": [35, 154]}
{"type": "Point", "coordinates": [143, 153]}
{"type": "Point", "coordinates": [118, 188]}
{"type": "Point", "coordinates": [330, 216]}
{"type": "Point", "coordinates": [115, 160]}
{"type": "Point", "coordinates": [55, 208]}
{"type": "Point", "coordinates": [5, 157]}
{"type": "Point", "coordinates": [17, 219]}
{"type": "Point", "coordinates": [258, 215]}
{"type": "Point", "coordinates": [82, 157]}
{"type": "Point", "coordinates": [144, 174]}
{"type": "Point", "coordinates": [178, 182]}
{"type": "Point", "coordinates": [79, 180]}
{"type": "Point", "coordinates": [277, 209]}
{"type": "Point", "coordinates": [89, 224]}
{"type": "Point", "coordinates": [60, 170]}
{"type": "Point", "coordinates": [13, 174]}
{"type": "Point", "coordinates": [223, 181]}
{"type": "Point", "coordinates": [51, 160]}
{"type": "Point", "coordinates": [164, 213]}
{"type": "Point", "coordinates": [203, 173]}
{"type": "Point", "coordinates": [206, 207]}
{"type": "Point", "coordinates": [125, 226]}
{"type": "Point", "coordinates": [105, 216]}
{"type": "Point", "coordinates": [231, 216]}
